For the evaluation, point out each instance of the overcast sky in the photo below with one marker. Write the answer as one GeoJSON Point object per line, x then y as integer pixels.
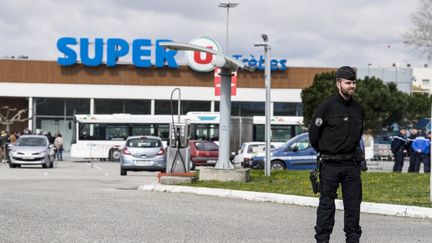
{"type": "Point", "coordinates": [309, 33]}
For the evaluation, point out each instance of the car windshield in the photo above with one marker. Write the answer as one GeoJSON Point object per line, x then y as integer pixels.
{"type": "Point", "coordinates": [29, 141]}
{"type": "Point", "coordinates": [206, 146]}
{"type": "Point", "coordinates": [144, 143]}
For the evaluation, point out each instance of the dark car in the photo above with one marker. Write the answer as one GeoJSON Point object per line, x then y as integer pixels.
{"type": "Point", "coordinates": [296, 154]}
{"type": "Point", "coordinates": [203, 153]}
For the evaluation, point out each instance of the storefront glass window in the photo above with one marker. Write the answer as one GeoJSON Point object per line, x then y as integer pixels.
{"type": "Point", "coordinates": [50, 106]}
{"type": "Point", "coordinates": [288, 109]}
{"type": "Point", "coordinates": [163, 107]}
{"type": "Point", "coordinates": [137, 106]}
{"type": "Point", "coordinates": [107, 106]}
{"type": "Point", "coordinates": [77, 106]}
{"type": "Point", "coordinates": [247, 108]}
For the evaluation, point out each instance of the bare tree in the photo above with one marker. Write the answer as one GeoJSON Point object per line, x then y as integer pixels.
{"type": "Point", "coordinates": [11, 115]}
{"type": "Point", "coordinates": [419, 35]}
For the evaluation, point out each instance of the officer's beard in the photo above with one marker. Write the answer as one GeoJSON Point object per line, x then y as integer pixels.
{"type": "Point", "coordinates": [347, 93]}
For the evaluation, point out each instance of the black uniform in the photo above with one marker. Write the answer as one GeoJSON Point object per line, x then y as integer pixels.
{"type": "Point", "coordinates": [335, 132]}
{"type": "Point", "coordinates": [398, 145]}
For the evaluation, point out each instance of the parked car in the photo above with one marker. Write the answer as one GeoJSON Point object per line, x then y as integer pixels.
{"type": "Point", "coordinates": [32, 150]}
{"type": "Point", "coordinates": [203, 153]}
{"type": "Point", "coordinates": [247, 151]}
{"type": "Point", "coordinates": [296, 154]}
{"type": "Point", "coordinates": [142, 153]}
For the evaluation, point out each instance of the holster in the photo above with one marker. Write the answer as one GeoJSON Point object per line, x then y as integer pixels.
{"type": "Point", "coordinates": [314, 176]}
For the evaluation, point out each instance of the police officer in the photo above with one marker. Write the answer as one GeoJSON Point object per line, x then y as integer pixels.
{"type": "Point", "coordinates": [335, 132]}
{"type": "Point", "coordinates": [421, 147]}
{"type": "Point", "coordinates": [398, 146]}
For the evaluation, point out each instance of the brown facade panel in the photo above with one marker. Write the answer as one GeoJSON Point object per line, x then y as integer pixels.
{"type": "Point", "coordinates": [50, 72]}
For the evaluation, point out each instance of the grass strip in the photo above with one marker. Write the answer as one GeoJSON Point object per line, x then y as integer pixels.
{"type": "Point", "coordinates": [379, 187]}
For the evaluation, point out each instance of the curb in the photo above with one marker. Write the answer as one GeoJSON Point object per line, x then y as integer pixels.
{"type": "Point", "coordinates": [366, 207]}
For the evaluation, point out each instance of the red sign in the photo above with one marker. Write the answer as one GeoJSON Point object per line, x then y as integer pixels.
{"type": "Point", "coordinates": [217, 82]}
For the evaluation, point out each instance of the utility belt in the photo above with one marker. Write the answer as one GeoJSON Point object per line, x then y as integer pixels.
{"type": "Point", "coordinates": [355, 157]}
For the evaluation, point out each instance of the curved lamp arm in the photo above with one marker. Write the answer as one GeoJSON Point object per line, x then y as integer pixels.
{"type": "Point", "coordinates": [220, 59]}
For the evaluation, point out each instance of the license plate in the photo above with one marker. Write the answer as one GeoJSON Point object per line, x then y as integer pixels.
{"type": "Point", "coordinates": [211, 161]}
{"type": "Point", "coordinates": [28, 157]}
{"type": "Point", "coordinates": [144, 163]}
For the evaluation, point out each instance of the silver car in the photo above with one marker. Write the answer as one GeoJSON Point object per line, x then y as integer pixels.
{"type": "Point", "coordinates": [142, 153]}
{"type": "Point", "coordinates": [32, 150]}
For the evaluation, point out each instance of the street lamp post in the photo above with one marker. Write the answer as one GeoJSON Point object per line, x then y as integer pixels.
{"type": "Point", "coordinates": [267, 78]}
{"type": "Point", "coordinates": [227, 6]}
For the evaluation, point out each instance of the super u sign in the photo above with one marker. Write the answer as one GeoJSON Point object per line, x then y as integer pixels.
{"type": "Point", "coordinates": [202, 62]}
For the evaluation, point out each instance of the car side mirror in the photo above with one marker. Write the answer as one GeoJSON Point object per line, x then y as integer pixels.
{"type": "Point", "coordinates": [295, 149]}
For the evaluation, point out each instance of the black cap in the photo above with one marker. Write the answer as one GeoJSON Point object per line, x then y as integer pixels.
{"type": "Point", "coordinates": [346, 72]}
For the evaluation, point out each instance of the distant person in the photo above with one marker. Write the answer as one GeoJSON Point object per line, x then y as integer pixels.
{"type": "Point", "coordinates": [50, 137]}
{"type": "Point", "coordinates": [398, 146]}
{"type": "Point", "coordinates": [368, 141]}
{"type": "Point", "coordinates": [421, 147]}
{"type": "Point", "coordinates": [3, 142]}
{"type": "Point", "coordinates": [412, 154]}
{"type": "Point", "coordinates": [58, 144]}
{"type": "Point", "coordinates": [13, 138]}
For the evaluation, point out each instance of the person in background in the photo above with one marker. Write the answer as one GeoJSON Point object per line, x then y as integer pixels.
{"type": "Point", "coordinates": [12, 138]}
{"type": "Point", "coordinates": [50, 137]}
{"type": "Point", "coordinates": [398, 146]}
{"type": "Point", "coordinates": [58, 144]}
{"type": "Point", "coordinates": [412, 154]}
{"type": "Point", "coordinates": [421, 147]}
{"type": "Point", "coordinates": [368, 141]}
{"type": "Point", "coordinates": [3, 141]}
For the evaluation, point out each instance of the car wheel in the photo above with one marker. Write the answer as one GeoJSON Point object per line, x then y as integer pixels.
{"type": "Point", "coordinates": [46, 165]}
{"type": "Point", "coordinates": [12, 165]}
{"type": "Point", "coordinates": [277, 165]}
{"type": "Point", "coordinates": [123, 172]}
{"type": "Point", "coordinates": [115, 155]}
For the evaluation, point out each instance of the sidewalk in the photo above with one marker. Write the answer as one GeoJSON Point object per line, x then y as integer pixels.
{"type": "Point", "coordinates": [366, 207]}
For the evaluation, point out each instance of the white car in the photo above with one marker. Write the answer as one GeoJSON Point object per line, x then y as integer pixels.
{"type": "Point", "coordinates": [247, 151]}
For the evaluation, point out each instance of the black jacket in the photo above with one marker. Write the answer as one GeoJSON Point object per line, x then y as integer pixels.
{"type": "Point", "coordinates": [337, 126]}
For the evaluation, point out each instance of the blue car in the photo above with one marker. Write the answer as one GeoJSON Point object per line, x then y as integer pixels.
{"type": "Point", "coordinates": [296, 154]}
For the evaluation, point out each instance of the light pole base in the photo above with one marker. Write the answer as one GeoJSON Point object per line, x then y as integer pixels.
{"type": "Point", "coordinates": [213, 174]}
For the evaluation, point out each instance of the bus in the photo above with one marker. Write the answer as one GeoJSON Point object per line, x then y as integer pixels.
{"type": "Point", "coordinates": [103, 136]}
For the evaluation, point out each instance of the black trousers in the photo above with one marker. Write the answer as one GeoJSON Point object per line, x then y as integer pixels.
{"type": "Point", "coordinates": [349, 176]}
{"type": "Point", "coordinates": [412, 164]}
{"type": "Point", "coordinates": [399, 161]}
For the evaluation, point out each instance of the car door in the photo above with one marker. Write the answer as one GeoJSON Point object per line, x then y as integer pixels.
{"type": "Point", "coordinates": [301, 155]}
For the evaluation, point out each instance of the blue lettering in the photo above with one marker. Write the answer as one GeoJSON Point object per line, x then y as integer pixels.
{"type": "Point", "coordinates": [261, 63]}
{"type": "Point", "coordinates": [70, 56]}
{"type": "Point", "coordinates": [116, 48]}
{"type": "Point", "coordinates": [274, 64]}
{"type": "Point", "coordinates": [238, 57]}
{"type": "Point", "coordinates": [252, 62]}
{"type": "Point", "coordinates": [164, 55]}
{"type": "Point", "coordinates": [139, 52]}
{"type": "Point", "coordinates": [84, 52]}
{"type": "Point", "coordinates": [283, 64]}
